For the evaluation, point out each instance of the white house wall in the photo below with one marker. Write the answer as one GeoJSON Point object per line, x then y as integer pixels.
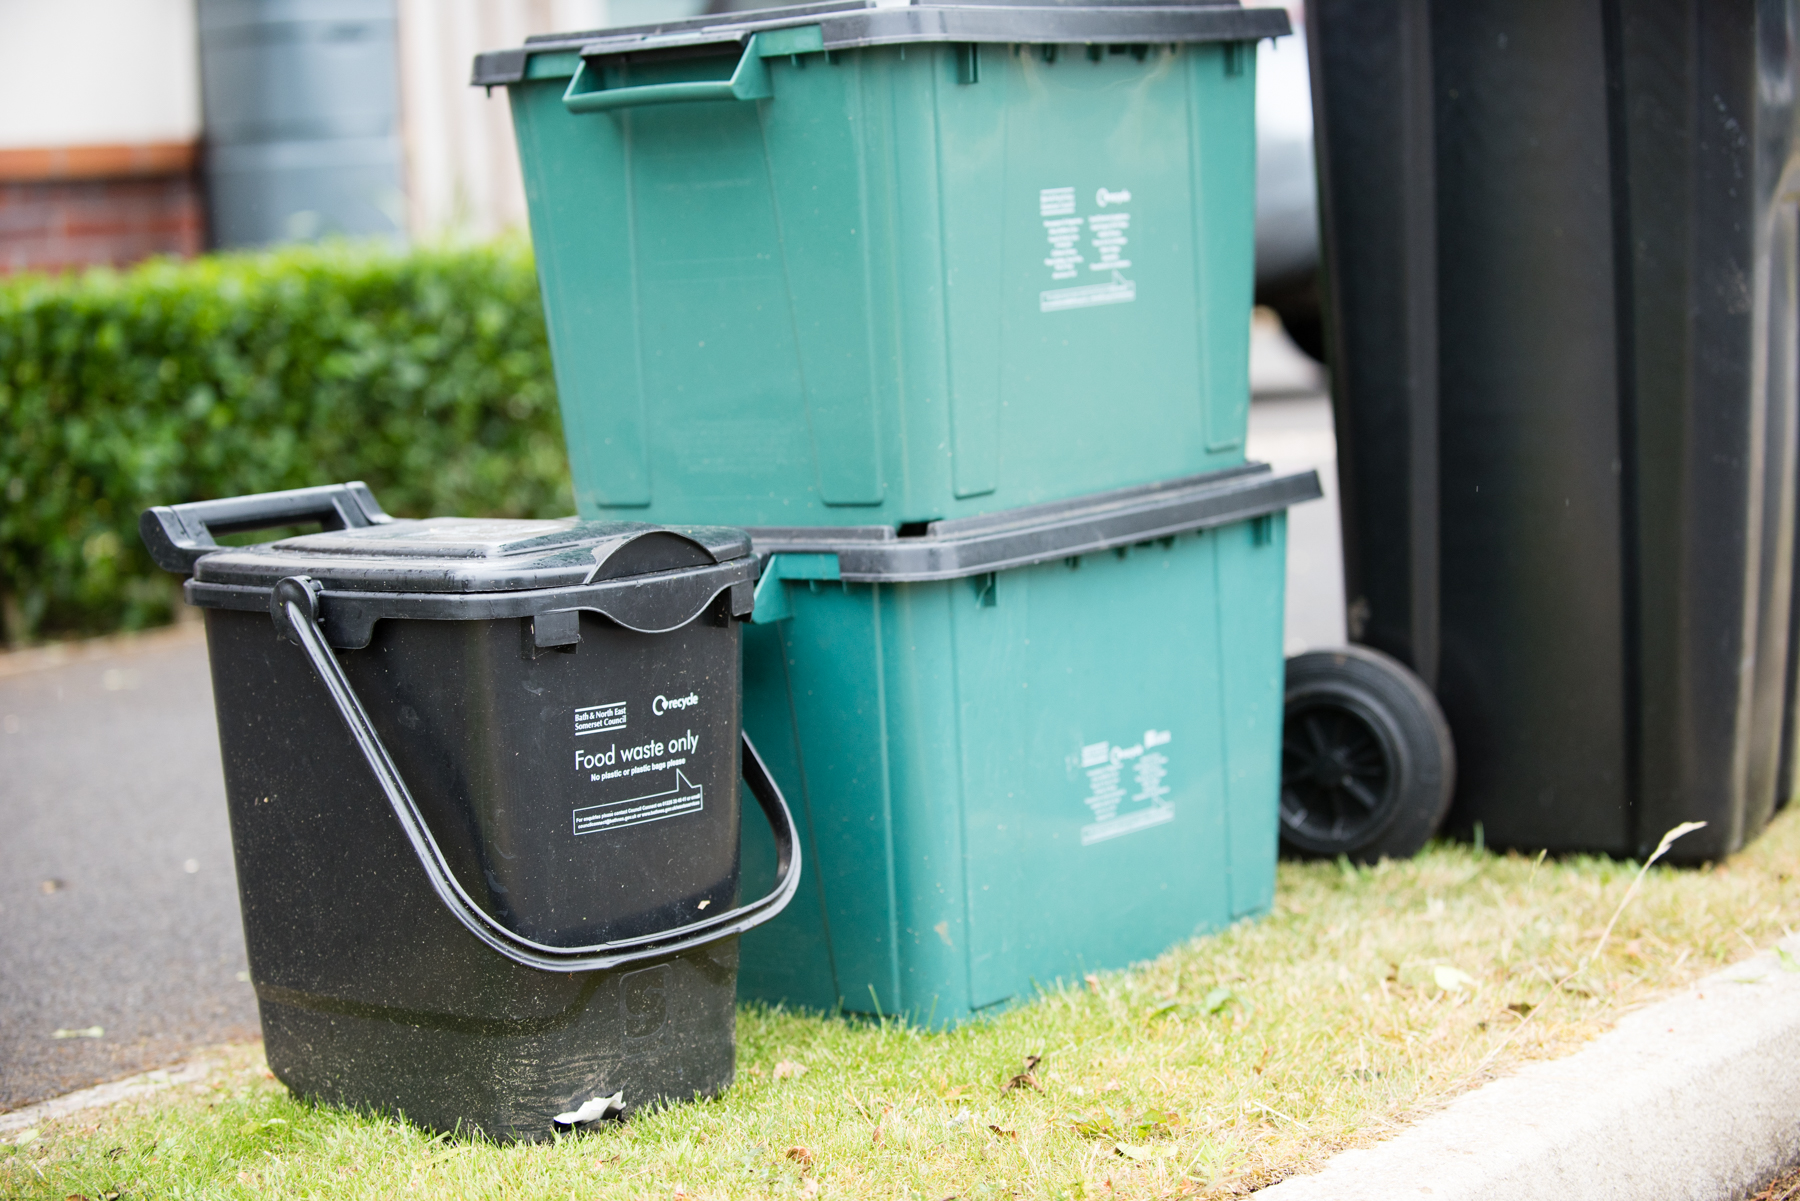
{"type": "Point", "coordinates": [462, 168]}
{"type": "Point", "coordinates": [97, 72]}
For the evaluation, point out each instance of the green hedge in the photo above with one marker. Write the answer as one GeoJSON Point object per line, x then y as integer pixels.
{"type": "Point", "coordinates": [425, 373]}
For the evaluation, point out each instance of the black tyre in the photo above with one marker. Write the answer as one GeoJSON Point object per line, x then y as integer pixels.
{"type": "Point", "coordinates": [1307, 329]}
{"type": "Point", "coordinates": [1367, 765]}
{"type": "Point", "coordinates": [1295, 300]}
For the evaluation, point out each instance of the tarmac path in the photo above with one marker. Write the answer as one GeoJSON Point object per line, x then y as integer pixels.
{"type": "Point", "coordinates": [118, 903]}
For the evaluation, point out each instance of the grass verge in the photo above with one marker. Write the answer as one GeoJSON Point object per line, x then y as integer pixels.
{"type": "Point", "coordinates": [1367, 997]}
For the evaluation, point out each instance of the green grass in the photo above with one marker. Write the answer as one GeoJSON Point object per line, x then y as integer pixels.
{"type": "Point", "coordinates": [1367, 998]}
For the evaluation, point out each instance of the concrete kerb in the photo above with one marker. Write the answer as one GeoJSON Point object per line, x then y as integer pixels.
{"type": "Point", "coordinates": [1693, 1098]}
{"type": "Point", "coordinates": [24, 1120]}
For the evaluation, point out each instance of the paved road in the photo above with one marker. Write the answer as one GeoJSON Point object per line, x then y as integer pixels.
{"type": "Point", "coordinates": [118, 904]}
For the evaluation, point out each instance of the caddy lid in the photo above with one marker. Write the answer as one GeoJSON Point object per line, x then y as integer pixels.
{"type": "Point", "coordinates": [365, 567]}
{"type": "Point", "coordinates": [473, 554]}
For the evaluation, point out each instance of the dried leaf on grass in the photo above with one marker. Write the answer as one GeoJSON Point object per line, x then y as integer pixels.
{"type": "Point", "coordinates": [1026, 1078]}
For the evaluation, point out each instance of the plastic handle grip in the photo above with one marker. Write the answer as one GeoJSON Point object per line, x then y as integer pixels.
{"type": "Point", "coordinates": [750, 81]}
{"type": "Point", "coordinates": [295, 608]}
{"type": "Point", "coordinates": [177, 535]}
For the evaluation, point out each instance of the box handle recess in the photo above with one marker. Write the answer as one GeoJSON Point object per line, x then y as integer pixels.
{"type": "Point", "coordinates": [750, 81]}
{"type": "Point", "coordinates": [294, 605]}
{"type": "Point", "coordinates": [178, 535]}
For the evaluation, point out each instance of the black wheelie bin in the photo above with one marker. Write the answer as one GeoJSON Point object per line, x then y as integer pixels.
{"type": "Point", "coordinates": [1560, 245]}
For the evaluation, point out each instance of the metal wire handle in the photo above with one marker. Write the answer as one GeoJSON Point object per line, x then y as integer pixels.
{"type": "Point", "coordinates": [294, 605]}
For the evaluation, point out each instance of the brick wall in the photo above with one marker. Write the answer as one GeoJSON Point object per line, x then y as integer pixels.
{"type": "Point", "coordinates": [64, 208]}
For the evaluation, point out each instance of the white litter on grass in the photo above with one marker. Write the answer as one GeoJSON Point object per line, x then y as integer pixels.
{"type": "Point", "coordinates": [593, 1110]}
{"type": "Point", "coordinates": [1452, 979]}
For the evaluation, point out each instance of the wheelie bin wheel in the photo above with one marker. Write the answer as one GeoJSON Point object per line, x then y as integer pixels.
{"type": "Point", "coordinates": [1367, 765]}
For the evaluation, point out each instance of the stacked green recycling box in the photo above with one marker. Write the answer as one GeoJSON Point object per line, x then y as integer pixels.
{"type": "Point", "coordinates": [949, 305]}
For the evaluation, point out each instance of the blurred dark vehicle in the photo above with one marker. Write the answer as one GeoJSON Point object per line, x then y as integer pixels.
{"type": "Point", "coordinates": [1287, 196]}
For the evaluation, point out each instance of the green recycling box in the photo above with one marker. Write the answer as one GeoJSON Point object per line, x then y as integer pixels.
{"type": "Point", "coordinates": [1019, 747]}
{"type": "Point", "coordinates": [852, 264]}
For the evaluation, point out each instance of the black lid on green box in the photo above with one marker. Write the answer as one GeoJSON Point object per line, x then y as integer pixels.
{"type": "Point", "coordinates": [857, 23]}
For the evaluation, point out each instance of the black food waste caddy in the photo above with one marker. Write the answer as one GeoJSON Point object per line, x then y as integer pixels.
{"type": "Point", "coordinates": [483, 788]}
